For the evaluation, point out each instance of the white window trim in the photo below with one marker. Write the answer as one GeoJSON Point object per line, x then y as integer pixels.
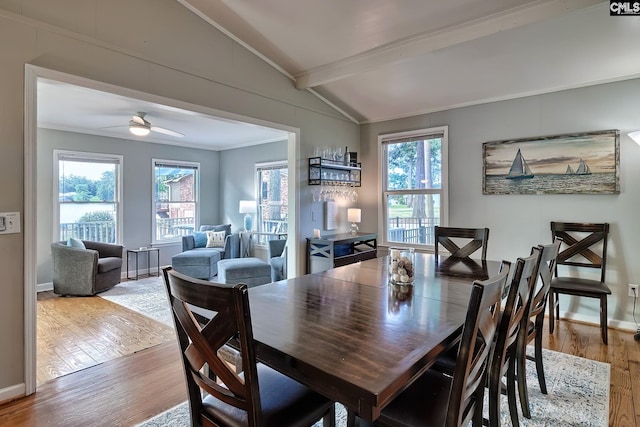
{"type": "Point", "coordinates": [196, 219]}
{"type": "Point", "coordinates": [382, 173]}
{"type": "Point", "coordinates": [284, 164]}
{"type": "Point", "coordinates": [56, 187]}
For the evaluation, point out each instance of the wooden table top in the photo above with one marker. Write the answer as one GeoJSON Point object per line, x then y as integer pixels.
{"type": "Point", "coordinates": [351, 336]}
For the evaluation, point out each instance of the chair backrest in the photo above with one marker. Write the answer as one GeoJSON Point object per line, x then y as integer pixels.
{"type": "Point", "coordinates": [581, 245]}
{"type": "Point", "coordinates": [476, 346]}
{"type": "Point", "coordinates": [230, 321]}
{"type": "Point", "coordinates": [515, 309]}
{"type": "Point", "coordinates": [548, 255]}
{"type": "Point", "coordinates": [276, 247]}
{"type": "Point", "coordinates": [479, 237]}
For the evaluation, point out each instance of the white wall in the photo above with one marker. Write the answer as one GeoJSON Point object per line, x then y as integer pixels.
{"type": "Point", "coordinates": [518, 222]}
{"type": "Point", "coordinates": [153, 46]}
{"type": "Point", "coordinates": [238, 177]}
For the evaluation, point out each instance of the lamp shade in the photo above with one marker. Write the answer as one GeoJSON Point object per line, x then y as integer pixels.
{"type": "Point", "coordinates": [247, 206]}
{"type": "Point", "coordinates": [635, 136]}
{"type": "Point", "coordinates": [353, 215]}
{"type": "Point", "coordinates": [139, 130]}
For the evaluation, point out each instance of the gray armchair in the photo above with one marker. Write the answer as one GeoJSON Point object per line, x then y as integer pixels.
{"type": "Point", "coordinates": [278, 259]}
{"type": "Point", "coordinates": [85, 271]}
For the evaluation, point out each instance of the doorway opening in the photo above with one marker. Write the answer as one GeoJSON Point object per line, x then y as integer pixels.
{"type": "Point", "coordinates": [38, 230]}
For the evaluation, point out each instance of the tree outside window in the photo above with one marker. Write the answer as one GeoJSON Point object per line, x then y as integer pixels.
{"type": "Point", "coordinates": [88, 201]}
{"type": "Point", "coordinates": [413, 185]}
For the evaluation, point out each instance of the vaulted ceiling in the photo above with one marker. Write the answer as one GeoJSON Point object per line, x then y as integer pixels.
{"type": "Point", "coordinates": [376, 60]}
{"type": "Point", "coordinates": [382, 59]}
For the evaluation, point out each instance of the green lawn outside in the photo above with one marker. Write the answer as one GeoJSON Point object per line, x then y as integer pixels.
{"type": "Point", "coordinates": [401, 211]}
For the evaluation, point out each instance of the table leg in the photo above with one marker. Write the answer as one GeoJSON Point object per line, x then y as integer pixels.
{"type": "Point", "coordinates": [137, 265]}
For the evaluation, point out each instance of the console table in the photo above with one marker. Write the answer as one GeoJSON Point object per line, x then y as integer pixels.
{"type": "Point", "coordinates": [340, 249]}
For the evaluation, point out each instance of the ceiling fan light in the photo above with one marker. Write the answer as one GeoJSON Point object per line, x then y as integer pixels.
{"type": "Point", "coordinates": [139, 130]}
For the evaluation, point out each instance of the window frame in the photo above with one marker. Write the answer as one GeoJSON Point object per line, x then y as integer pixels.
{"type": "Point", "coordinates": [383, 141]}
{"type": "Point", "coordinates": [196, 191]}
{"type": "Point", "coordinates": [259, 167]}
{"type": "Point", "coordinates": [88, 157]}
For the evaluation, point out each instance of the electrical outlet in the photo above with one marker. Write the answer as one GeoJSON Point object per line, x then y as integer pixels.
{"type": "Point", "coordinates": [633, 290]}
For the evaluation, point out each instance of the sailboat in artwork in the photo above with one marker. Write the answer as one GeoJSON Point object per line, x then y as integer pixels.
{"type": "Point", "coordinates": [583, 168]}
{"type": "Point", "coordinates": [519, 168]}
{"type": "Point", "coordinates": [569, 170]}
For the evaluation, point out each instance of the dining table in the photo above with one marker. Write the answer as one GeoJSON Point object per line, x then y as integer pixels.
{"type": "Point", "coordinates": [355, 337]}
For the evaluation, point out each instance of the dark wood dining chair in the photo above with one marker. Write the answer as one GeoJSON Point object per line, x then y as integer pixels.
{"type": "Point", "coordinates": [503, 363]}
{"type": "Point", "coordinates": [259, 396]}
{"type": "Point", "coordinates": [437, 399]}
{"type": "Point", "coordinates": [475, 239]}
{"type": "Point", "coordinates": [531, 327]}
{"type": "Point", "coordinates": [585, 247]}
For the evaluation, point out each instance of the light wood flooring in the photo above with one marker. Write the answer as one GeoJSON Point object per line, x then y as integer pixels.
{"type": "Point", "coordinates": [130, 389]}
{"type": "Point", "coordinates": [75, 333]}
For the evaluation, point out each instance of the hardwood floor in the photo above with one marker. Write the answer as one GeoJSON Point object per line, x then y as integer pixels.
{"type": "Point", "coordinates": [120, 392]}
{"type": "Point", "coordinates": [75, 333]}
{"type": "Point", "coordinates": [130, 389]}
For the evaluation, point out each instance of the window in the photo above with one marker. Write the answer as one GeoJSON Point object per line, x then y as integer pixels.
{"type": "Point", "coordinates": [273, 201]}
{"type": "Point", "coordinates": [175, 207]}
{"type": "Point", "coordinates": [414, 185]}
{"type": "Point", "coordinates": [87, 201]}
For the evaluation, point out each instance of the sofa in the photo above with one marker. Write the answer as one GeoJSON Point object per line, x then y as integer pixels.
{"type": "Point", "coordinates": [83, 267]}
{"type": "Point", "coordinates": [201, 262]}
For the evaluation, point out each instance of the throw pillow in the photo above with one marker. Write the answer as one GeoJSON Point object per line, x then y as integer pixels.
{"type": "Point", "coordinates": [75, 243]}
{"type": "Point", "coordinates": [200, 239]}
{"type": "Point", "coordinates": [215, 239]}
{"type": "Point", "coordinates": [225, 227]}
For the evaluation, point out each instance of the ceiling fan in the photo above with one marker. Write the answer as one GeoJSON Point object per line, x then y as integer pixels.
{"type": "Point", "coordinates": [139, 126]}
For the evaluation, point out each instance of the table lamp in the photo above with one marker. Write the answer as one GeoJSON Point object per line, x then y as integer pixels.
{"type": "Point", "coordinates": [248, 207]}
{"type": "Point", "coordinates": [353, 216]}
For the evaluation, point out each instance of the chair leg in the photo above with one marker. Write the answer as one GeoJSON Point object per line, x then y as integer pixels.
{"type": "Point", "coordinates": [476, 420]}
{"type": "Point", "coordinates": [521, 378]}
{"type": "Point", "coordinates": [538, 357]}
{"type": "Point", "coordinates": [603, 320]}
{"type": "Point", "coordinates": [511, 392]}
{"type": "Point", "coordinates": [552, 306]}
{"type": "Point", "coordinates": [329, 420]}
{"type": "Point", "coordinates": [495, 387]}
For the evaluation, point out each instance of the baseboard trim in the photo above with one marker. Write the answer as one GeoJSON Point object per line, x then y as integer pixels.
{"type": "Point", "coordinates": [11, 393]}
{"type": "Point", "coordinates": [42, 287]}
{"type": "Point", "coordinates": [612, 323]}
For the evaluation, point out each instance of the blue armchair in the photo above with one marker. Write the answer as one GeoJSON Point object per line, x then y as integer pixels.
{"type": "Point", "coordinates": [198, 261]}
{"type": "Point", "coordinates": [278, 259]}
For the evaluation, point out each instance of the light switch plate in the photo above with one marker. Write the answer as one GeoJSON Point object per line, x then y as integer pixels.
{"type": "Point", "coordinates": [9, 222]}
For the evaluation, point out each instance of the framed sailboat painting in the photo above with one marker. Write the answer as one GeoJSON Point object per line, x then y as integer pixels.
{"type": "Point", "coordinates": [576, 163]}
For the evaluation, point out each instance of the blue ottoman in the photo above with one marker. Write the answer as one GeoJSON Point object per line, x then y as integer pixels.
{"type": "Point", "coordinates": [198, 263]}
{"type": "Point", "coordinates": [250, 271]}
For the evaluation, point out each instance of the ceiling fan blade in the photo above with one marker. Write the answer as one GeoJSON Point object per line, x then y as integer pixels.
{"type": "Point", "coordinates": [113, 127]}
{"type": "Point", "coordinates": [166, 131]}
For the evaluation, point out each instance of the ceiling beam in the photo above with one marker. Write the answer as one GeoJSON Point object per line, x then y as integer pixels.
{"type": "Point", "coordinates": [432, 41]}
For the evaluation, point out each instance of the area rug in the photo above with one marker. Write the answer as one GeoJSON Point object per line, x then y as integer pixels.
{"type": "Point", "coordinates": [578, 388]}
{"type": "Point", "coordinates": [147, 296]}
